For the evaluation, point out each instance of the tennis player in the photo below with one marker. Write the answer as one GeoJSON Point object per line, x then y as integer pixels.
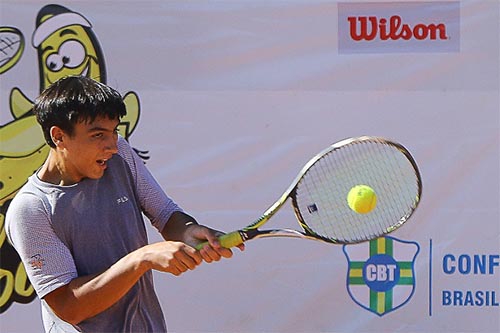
{"type": "Point", "coordinates": [78, 225]}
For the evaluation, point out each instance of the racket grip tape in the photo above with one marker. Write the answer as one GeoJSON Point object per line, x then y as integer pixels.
{"type": "Point", "coordinates": [228, 241]}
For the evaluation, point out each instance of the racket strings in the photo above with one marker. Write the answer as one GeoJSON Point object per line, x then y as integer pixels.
{"type": "Point", "coordinates": [321, 194]}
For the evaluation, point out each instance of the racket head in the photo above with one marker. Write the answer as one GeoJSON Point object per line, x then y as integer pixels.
{"type": "Point", "coordinates": [319, 197]}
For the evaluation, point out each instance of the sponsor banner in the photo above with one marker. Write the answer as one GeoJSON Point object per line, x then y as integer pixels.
{"type": "Point", "coordinates": [398, 27]}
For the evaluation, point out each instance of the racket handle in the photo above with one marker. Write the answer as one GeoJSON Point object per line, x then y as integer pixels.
{"type": "Point", "coordinates": [228, 241]}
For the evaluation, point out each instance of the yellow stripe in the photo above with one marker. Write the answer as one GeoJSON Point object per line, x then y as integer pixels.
{"type": "Point", "coordinates": [380, 302]}
{"type": "Point", "coordinates": [405, 273]}
{"type": "Point", "coordinates": [356, 272]}
{"type": "Point", "coordinates": [381, 245]}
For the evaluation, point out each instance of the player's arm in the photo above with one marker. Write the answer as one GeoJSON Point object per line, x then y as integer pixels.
{"type": "Point", "coordinates": [87, 296]}
{"type": "Point", "coordinates": [75, 298]}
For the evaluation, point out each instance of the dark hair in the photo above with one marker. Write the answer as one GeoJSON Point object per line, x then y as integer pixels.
{"type": "Point", "coordinates": [75, 99]}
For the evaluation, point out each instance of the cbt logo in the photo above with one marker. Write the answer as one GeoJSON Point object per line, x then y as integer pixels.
{"type": "Point", "coordinates": [380, 275]}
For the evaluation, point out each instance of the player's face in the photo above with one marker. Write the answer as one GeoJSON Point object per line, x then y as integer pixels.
{"type": "Point", "coordinates": [89, 148]}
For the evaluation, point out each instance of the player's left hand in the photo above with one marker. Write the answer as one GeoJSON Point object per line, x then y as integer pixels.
{"type": "Point", "coordinates": [212, 251]}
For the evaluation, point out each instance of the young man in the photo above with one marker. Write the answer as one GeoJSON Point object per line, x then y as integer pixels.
{"type": "Point", "coordinates": [77, 223]}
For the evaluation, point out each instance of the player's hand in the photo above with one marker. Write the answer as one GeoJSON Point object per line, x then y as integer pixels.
{"type": "Point", "coordinates": [212, 251]}
{"type": "Point", "coordinates": [172, 257]}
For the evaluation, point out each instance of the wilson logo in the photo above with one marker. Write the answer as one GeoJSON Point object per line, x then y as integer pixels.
{"type": "Point", "coordinates": [369, 28]}
{"type": "Point", "coordinates": [398, 27]}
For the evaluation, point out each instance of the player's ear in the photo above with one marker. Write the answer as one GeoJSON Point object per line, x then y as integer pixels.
{"type": "Point", "coordinates": [57, 135]}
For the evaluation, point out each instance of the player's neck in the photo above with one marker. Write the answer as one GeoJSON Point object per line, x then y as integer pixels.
{"type": "Point", "coordinates": [55, 170]}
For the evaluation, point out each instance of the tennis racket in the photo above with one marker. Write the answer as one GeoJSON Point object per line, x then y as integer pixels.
{"type": "Point", "coordinates": [319, 194]}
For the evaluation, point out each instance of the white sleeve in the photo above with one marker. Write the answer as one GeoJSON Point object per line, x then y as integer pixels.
{"type": "Point", "coordinates": [155, 203]}
{"type": "Point", "coordinates": [48, 262]}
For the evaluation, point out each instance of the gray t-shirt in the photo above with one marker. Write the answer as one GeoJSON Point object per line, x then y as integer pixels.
{"type": "Point", "coordinates": [62, 232]}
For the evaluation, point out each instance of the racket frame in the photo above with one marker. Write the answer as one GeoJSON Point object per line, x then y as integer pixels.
{"type": "Point", "coordinates": [251, 231]}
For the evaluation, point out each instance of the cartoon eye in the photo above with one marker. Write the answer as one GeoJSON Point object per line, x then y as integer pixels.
{"type": "Point", "coordinates": [72, 53]}
{"type": "Point", "coordinates": [54, 62]}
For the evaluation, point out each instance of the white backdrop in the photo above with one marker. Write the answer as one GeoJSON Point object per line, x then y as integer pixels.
{"type": "Point", "coordinates": [235, 96]}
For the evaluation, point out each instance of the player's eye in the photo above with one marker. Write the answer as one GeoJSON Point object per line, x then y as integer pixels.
{"type": "Point", "coordinates": [72, 53]}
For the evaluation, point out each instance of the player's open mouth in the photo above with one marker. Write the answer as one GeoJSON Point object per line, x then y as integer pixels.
{"type": "Point", "coordinates": [102, 162]}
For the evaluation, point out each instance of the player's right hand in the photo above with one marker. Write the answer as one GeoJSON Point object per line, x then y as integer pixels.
{"type": "Point", "coordinates": [171, 257]}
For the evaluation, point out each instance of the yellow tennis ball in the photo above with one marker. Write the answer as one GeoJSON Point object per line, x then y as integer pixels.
{"type": "Point", "coordinates": [362, 199]}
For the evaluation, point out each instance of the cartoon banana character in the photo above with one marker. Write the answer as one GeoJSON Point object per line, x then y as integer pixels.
{"type": "Point", "coordinates": [66, 45]}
